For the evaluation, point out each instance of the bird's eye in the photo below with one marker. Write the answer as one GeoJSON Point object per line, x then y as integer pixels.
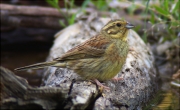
{"type": "Point", "coordinates": [118, 25]}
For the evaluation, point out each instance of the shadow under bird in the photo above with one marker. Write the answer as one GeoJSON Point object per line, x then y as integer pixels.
{"type": "Point", "coordinates": [100, 58]}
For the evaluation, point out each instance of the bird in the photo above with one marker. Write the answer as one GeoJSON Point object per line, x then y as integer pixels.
{"type": "Point", "coordinates": [100, 58]}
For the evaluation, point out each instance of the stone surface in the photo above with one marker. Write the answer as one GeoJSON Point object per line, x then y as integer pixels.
{"type": "Point", "coordinates": [139, 73]}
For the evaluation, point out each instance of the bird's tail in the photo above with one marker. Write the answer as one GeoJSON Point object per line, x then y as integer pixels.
{"type": "Point", "coordinates": [38, 65]}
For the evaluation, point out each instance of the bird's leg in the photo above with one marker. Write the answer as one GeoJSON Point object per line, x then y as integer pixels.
{"type": "Point", "coordinates": [99, 84]}
{"type": "Point", "coordinates": [117, 79]}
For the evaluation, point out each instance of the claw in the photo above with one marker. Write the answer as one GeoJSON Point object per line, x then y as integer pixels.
{"type": "Point", "coordinates": [99, 84]}
{"type": "Point", "coordinates": [117, 79]}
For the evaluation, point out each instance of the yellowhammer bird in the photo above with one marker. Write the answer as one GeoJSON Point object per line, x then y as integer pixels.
{"type": "Point", "coordinates": [99, 58]}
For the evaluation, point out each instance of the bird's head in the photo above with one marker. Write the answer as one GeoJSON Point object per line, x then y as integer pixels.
{"type": "Point", "coordinates": [117, 29]}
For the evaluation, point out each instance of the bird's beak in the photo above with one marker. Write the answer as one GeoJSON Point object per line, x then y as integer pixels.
{"type": "Point", "coordinates": [129, 26]}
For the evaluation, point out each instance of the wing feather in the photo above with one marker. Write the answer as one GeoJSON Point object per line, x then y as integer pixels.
{"type": "Point", "coordinates": [94, 47]}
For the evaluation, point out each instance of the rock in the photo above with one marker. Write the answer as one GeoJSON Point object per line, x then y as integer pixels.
{"type": "Point", "coordinates": [133, 92]}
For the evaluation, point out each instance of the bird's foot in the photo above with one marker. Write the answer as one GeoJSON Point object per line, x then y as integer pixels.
{"type": "Point", "coordinates": [101, 85]}
{"type": "Point", "coordinates": [117, 79]}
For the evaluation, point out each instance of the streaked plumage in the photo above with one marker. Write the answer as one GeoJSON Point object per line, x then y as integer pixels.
{"type": "Point", "coordinates": [101, 57]}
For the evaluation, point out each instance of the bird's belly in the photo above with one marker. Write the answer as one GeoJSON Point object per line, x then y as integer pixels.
{"type": "Point", "coordinates": [100, 69]}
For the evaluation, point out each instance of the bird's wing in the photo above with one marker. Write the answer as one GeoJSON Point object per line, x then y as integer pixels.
{"type": "Point", "coordinates": [94, 47]}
